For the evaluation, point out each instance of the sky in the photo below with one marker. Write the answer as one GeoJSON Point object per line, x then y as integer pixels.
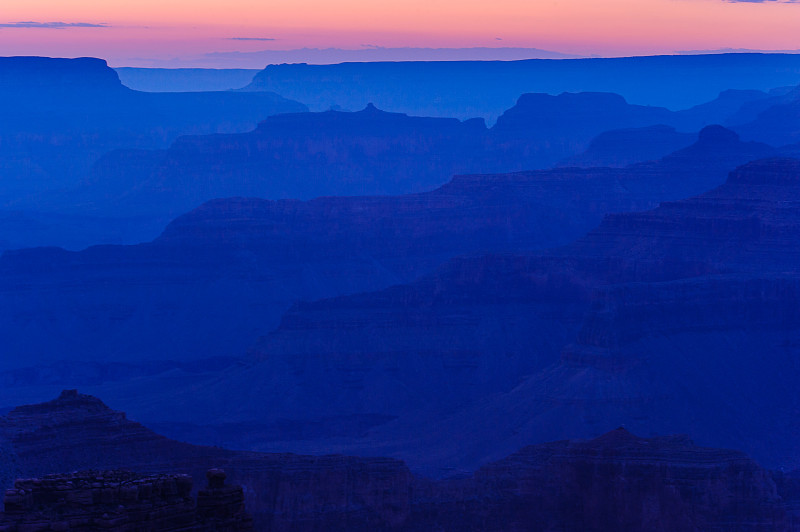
{"type": "Point", "coordinates": [189, 32]}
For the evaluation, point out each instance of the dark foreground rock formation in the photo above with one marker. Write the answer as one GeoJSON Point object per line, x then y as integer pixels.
{"type": "Point", "coordinates": [123, 501]}
{"type": "Point", "coordinates": [615, 482]}
{"type": "Point", "coordinates": [79, 432]}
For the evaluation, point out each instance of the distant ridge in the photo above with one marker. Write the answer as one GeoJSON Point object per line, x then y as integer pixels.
{"type": "Point", "coordinates": [76, 100]}
{"type": "Point", "coordinates": [437, 88]}
{"type": "Point", "coordinates": [374, 151]}
{"type": "Point", "coordinates": [22, 74]}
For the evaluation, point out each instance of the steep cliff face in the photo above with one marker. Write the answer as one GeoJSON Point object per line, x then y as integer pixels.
{"type": "Point", "coordinates": [83, 100]}
{"type": "Point", "coordinates": [615, 482]}
{"type": "Point", "coordinates": [24, 75]}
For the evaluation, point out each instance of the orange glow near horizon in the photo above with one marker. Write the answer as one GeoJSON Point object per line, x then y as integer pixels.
{"type": "Point", "coordinates": [163, 29]}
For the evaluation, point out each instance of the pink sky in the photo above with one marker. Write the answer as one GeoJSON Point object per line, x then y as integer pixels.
{"type": "Point", "coordinates": [136, 32]}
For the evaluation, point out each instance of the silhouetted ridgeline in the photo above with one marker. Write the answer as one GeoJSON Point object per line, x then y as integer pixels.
{"type": "Point", "coordinates": [308, 155]}
{"type": "Point", "coordinates": [685, 319]}
{"type": "Point", "coordinates": [223, 274]}
{"type": "Point", "coordinates": [682, 318]}
{"type": "Point", "coordinates": [60, 115]}
{"type": "Point", "coordinates": [329, 287]}
{"type": "Point", "coordinates": [467, 89]}
{"type": "Point", "coordinates": [64, 115]}
{"type": "Point", "coordinates": [615, 482]}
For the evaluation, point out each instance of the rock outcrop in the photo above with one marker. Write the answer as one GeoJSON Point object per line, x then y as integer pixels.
{"type": "Point", "coordinates": [615, 482]}
{"type": "Point", "coordinates": [124, 501]}
{"type": "Point", "coordinates": [43, 75]}
{"type": "Point", "coordinates": [79, 432]}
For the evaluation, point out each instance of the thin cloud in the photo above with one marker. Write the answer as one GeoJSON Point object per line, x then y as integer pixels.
{"type": "Point", "coordinates": [52, 25]}
{"type": "Point", "coordinates": [250, 39]}
{"type": "Point", "coordinates": [735, 51]}
{"type": "Point", "coordinates": [763, 1]}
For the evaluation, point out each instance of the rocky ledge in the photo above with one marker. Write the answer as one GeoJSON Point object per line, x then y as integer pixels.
{"type": "Point", "coordinates": [123, 501]}
{"type": "Point", "coordinates": [615, 482]}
